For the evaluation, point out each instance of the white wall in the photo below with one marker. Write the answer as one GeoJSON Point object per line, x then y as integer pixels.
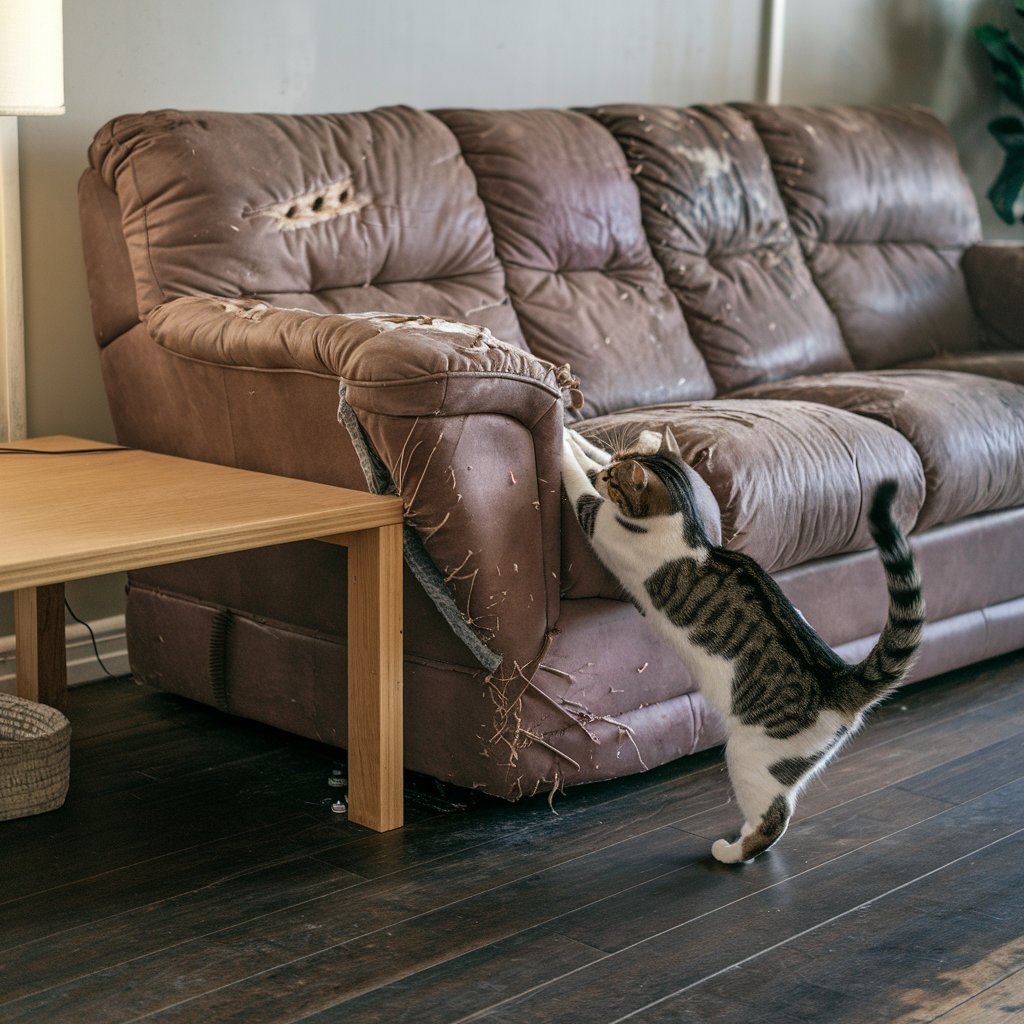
{"type": "Point", "coordinates": [906, 51]}
{"type": "Point", "coordinates": [334, 55]}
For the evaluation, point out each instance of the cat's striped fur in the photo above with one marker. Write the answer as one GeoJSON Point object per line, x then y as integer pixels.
{"type": "Point", "coordinates": [788, 700]}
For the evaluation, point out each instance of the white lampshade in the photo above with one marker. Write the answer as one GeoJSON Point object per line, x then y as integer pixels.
{"type": "Point", "coordinates": [31, 57]}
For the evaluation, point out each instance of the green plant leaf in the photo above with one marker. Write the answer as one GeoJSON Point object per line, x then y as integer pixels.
{"type": "Point", "coordinates": [1007, 61]}
{"type": "Point", "coordinates": [1007, 191]}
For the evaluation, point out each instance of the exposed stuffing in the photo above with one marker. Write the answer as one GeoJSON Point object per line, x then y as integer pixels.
{"type": "Point", "coordinates": [712, 163]}
{"type": "Point", "coordinates": [337, 199]}
{"type": "Point", "coordinates": [254, 312]}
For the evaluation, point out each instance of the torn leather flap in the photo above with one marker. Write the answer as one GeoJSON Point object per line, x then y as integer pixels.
{"type": "Point", "coordinates": [379, 481]}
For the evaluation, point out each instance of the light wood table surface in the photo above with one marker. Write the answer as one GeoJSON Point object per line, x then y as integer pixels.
{"type": "Point", "coordinates": [68, 516]}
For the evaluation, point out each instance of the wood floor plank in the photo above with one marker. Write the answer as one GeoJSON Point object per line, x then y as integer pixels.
{"type": "Point", "coordinates": [415, 887]}
{"type": "Point", "coordinates": [463, 984]}
{"type": "Point", "coordinates": [281, 956]}
{"type": "Point", "coordinates": [972, 773]}
{"type": "Point", "coordinates": [944, 697]}
{"type": "Point", "coordinates": [50, 913]}
{"type": "Point", "coordinates": [955, 932]}
{"type": "Point", "coordinates": [638, 910]}
{"type": "Point", "coordinates": [851, 823]}
{"type": "Point", "coordinates": [866, 767]}
{"type": "Point", "coordinates": [1001, 1003]}
{"type": "Point", "coordinates": [62, 904]}
{"type": "Point", "coordinates": [703, 944]}
{"type": "Point", "coordinates": [197, 872]}
{"type": "Point", "coordinates": [479, 920]}
{"type": "Point", "coordinates": [652, 907]}
{"type": "Point", "coordinates": [112, 831]}
{"type": "Point", "coordinates": [244, 898]}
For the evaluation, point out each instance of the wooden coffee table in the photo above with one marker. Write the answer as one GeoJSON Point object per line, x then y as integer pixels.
{"type": "Point", "coordinates": [68, 516]}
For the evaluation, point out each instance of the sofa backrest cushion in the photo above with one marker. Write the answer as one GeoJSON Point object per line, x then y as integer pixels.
{"type": "Point", "coordinates": [334, 213]}
{"type": "Point", "coordinates": [540, 224]}
{"type": "Point", "coordinates": [583, 281]}
{"type": "Point", "coordinates": [719, 229]}
{"type": "Point", "coordinates": [883, 212]}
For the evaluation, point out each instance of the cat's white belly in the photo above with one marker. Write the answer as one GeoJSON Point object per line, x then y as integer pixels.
{"type": "Point", "coordinates": [713, 671]}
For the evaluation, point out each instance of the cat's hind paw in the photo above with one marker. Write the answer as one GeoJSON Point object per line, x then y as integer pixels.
{"type": "Point", "coordinates": [726, 852]}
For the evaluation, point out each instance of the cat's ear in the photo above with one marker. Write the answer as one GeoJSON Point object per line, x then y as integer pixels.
{"type": "Point", "coordinates": [637, 475]}
{"type": "Point", "coordinates": [668, 444]}
{"type": "Point", "coordinates": [647, 443]}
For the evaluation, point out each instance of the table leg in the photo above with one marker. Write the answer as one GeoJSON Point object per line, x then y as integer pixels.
{"type": "Point", "coordinates": [375, 677]}
{"type": "Point", "coordinates": [40, 655]}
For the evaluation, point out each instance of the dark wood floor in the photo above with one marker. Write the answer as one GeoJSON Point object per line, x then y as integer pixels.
{"type": "Point", "coordinates": [197, 874]}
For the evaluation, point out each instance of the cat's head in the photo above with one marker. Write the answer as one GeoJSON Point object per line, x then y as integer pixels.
{"type": "Point", "coordinates": [649, 480]}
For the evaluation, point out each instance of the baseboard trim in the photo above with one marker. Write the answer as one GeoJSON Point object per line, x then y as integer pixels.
{"type": "Point", "coordinates": [82, 665]}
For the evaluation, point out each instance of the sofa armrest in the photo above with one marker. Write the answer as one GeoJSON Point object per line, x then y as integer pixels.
{"type": "Point", "coordinates": [469, 427]}
{"type": "Point", "coordinates": [994, 272]}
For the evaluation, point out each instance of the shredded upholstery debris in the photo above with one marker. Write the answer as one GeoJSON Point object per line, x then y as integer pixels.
{"type": "Point", "coordinates": [379, 481]}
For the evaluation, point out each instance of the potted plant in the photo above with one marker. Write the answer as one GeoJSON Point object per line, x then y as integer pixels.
{"type": "Point", "coordinates": [1007, 57]}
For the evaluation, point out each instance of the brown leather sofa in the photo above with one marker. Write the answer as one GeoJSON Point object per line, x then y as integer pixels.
{"type": "Point", "coordinates": [802, 294]}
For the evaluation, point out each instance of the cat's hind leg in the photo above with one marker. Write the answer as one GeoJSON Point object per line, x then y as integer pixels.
{"type": "Point", "coordinates": [756, 838]}
{"type": "Point", "coordinates": [766, 806]}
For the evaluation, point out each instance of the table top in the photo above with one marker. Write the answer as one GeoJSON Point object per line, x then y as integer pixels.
{"type": "Point", "coordinates": [69, 516]}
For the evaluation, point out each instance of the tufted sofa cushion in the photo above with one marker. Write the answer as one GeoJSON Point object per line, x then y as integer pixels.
{"type": "Point", "coordinates": [793, 480]}
{"type": "Point", "coordinates": [967, 429]}
{"type": "Point", "coordinates": [717, 224]}
{"type": "Point", "coordinates": [883, 213]}
{"type": "Point", "coordinates": [1002, 365]}
{"type": "Point", "coordinates": [583, 281]}
{"type": "Point", "coordinates": [363, 211]}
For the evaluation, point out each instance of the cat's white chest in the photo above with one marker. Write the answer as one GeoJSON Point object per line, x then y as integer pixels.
{"type": "Point", "coordinates": [635, 558]}
{"type": "Point", "coordinates": [712, 672]}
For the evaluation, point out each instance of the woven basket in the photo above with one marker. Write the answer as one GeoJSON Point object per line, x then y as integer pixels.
{"type": "Point", "coordinates": [35, 742]}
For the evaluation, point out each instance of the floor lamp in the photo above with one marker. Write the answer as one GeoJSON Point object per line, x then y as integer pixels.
{"type": "Point", "coordinates": [31, 82]}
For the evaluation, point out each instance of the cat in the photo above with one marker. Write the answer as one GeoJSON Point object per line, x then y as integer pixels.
{"type": "Point", "coordinates": [788, 700]}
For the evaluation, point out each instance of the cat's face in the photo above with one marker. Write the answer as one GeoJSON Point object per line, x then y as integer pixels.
{"type": "Point", "coordinates": [636, 489]}
{"type": "Point", "coordinates": [632, 482]}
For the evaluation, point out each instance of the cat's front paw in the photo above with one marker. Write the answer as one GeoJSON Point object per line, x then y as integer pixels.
{"type": "Point", "coordinates": [726, 852]}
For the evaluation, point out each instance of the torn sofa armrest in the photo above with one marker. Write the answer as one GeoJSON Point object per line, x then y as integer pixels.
{"type": "Point", "coordinates": [391, 363]}
{"type": "Point", "coordinates": [994, 272]}
{"type": "Point", "coordinates": [469, 428]}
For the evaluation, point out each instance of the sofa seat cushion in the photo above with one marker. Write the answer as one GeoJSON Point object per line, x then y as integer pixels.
{"type": "Point", "coordinates": [967, 429]}
{"type": "Point", "coordinates": [793, 480]}
{"type": "Point", "coordinates": [999, 363]}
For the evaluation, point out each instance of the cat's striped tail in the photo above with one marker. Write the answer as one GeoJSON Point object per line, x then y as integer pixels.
{"type": "Point", "coordinates": [890, 659]}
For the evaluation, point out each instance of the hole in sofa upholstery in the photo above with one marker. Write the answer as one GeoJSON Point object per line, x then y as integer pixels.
{"type": "Point", "coordinates": [337, 199]}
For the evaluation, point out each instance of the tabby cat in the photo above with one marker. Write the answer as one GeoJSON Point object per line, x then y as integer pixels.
{"type": "Point", "coordinates": [788, 700]}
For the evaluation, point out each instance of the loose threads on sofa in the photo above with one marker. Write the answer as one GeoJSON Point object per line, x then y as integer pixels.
{"type": "Point", "coordinates": [338, 199]}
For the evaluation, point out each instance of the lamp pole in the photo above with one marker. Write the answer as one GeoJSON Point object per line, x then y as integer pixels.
{"type": "Point", "coordinates": [31, 82]}
{"type": "Point", "coordinates": [13, 419]}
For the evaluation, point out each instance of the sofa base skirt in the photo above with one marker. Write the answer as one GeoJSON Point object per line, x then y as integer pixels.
{"type": "Point", "coordinates": [575, 722]}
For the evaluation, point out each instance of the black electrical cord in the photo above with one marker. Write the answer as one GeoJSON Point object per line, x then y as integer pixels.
{"type": "Point", "coordinates": [92, 637]}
